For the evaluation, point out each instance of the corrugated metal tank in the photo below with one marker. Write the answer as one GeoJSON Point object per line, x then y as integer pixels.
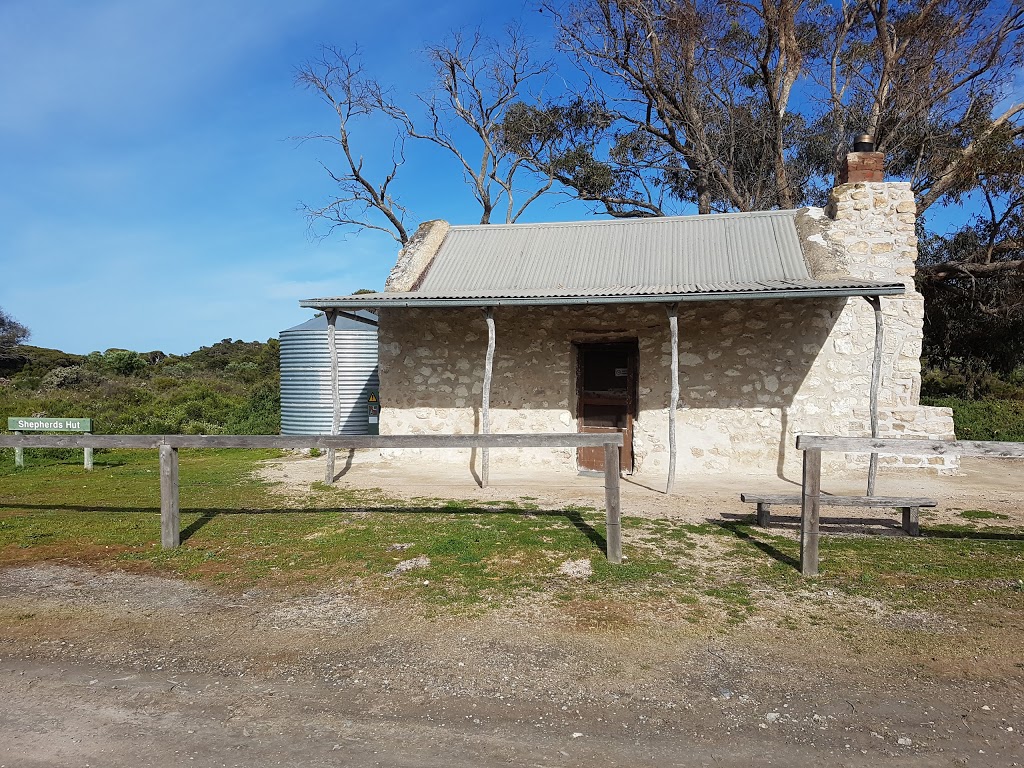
{"type": "Point", "coordinates": [306, 405]}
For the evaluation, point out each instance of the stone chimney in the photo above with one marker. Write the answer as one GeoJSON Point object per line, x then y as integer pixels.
{"type": "Point", "coordinates": [872, 237]}
{"type": "Point", "coordinates": [863, 164]}
{"type": "Point", "coordinates": [869, 229]}
{"type": "Point", "coordinates": [872, 229]}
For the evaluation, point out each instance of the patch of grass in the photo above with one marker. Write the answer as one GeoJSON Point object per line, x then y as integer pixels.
{"type": "Point", "coordinates": [947, 566]}
{"type": "Point", "coordinates": [735, 598]}
{"type": "Point", "coordinates": [236, 533]}
{"type": "Point", "coordinates": [981, 514]}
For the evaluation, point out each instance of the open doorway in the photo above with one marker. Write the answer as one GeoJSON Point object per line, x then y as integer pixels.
{"type": "Point", "coordinates": [606, 386]}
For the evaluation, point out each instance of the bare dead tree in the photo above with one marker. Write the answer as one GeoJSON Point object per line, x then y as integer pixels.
{"type": "Point", "coordinates": [477, 79]}
{"type": "Point", "coordinates": [365, 199]}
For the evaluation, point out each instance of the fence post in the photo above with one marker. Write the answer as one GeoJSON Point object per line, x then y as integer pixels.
{"type": "Point", "coordinates": [810, 505]}
{"type": "Point", "coordinates": [170, 511]}
{"type": "Point", "coordinates": [19, 455]}
{"type": "Point", "coordinates": [613, 518]}
{"type": "Point", "coordinates": [332, 343]}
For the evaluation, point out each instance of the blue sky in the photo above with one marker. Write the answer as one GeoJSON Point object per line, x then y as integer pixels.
{"type": "Point", "coordinates": [150, 187]}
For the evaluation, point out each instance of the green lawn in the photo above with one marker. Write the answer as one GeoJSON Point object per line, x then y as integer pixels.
{"type": "Point", "coordinates": [238, 532]}
{"type": "Point", "coordinates": [988, 419]}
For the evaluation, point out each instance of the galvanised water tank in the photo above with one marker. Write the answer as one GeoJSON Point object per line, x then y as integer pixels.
{"type": "Point", "coordinates": [306, 404]}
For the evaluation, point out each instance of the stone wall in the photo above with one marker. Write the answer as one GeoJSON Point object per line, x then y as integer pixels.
{"type": "Point", "coordinates": [753, 374]}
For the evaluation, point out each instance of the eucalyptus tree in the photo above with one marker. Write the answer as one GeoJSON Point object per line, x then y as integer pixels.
{"type": "Point", "coordinates": [744, 105]}
{"type": "Point", "coordinates": [686, 103]}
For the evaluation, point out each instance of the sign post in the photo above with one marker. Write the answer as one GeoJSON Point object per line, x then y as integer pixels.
{"type": "Point", "coordinates": [373, 414]}
{"type": "Point", "coordinates": [21, 424]}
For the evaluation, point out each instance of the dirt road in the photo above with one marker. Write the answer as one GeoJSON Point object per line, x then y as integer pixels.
{"type": "Point", "coordinates": [114, 669]}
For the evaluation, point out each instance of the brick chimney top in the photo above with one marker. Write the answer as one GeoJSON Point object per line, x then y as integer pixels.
{"type": "Point", "coordinates": [863, 164]}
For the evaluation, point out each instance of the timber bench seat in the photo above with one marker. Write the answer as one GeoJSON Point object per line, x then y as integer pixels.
{"type": "Point", "coordinates": [908, 505]}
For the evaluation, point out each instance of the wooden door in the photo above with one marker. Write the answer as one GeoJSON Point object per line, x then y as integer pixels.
{"type": "Point", "coordinates": [606, 379]}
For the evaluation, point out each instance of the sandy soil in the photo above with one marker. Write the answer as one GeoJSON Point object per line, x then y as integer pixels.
{"type": "Point", "coordinates": [992, 484]}
{"type": "Point", "coordinates": [117, 669]}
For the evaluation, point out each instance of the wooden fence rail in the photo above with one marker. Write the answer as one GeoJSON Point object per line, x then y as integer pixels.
{"type": "Point", "coordinates": [910, 446]}
{"type": "Point", "coordinates": [814, 445]}
{"type": "Point", "coordinates": [168, 445]}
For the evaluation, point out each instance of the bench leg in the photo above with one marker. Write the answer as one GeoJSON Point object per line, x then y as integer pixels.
{"type": "Point", "coordinates": [910, 524]}
{"type": "Point", "coordinates": [764, 514]}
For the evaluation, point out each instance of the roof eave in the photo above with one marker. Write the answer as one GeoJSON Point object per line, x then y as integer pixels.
{"type": "Point", "coordinates": [368, 301]}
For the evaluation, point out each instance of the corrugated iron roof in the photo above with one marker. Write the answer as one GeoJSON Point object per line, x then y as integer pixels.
{"type": "Point", "coordinates": [593, 255]}
{"type": "Point", "coordinates": [677, 258]}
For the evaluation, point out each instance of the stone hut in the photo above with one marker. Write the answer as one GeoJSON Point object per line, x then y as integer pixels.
{"type": "Point", "coordinates": [775, 315]}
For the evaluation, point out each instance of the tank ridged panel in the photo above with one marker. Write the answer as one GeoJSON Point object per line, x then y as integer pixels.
{"type": "Point", "coordinates": [306, 403]}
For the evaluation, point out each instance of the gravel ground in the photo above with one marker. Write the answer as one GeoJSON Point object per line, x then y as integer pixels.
{"type": "Point", "coordinates": [115, 669]}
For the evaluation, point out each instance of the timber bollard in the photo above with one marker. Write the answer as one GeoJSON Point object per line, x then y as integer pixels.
{"type": "Point", "coordinates": [170, 509]}
{"type": "Point", "coordinates": [612, 500]}
{"type": "Point", "coordinates": [329, 469]}
{"type": "Point", "coordinates": [810, 508]}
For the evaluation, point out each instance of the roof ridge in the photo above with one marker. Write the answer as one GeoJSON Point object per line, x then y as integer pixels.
{"type": "Point", "coordinates": [633, 221]}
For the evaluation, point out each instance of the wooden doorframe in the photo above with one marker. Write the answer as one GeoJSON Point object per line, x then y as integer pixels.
{"type": "Point", "coordinates": [630, 344]}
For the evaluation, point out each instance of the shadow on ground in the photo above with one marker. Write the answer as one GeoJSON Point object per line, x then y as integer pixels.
{"type": "Point", "coordinates": [206, 515]}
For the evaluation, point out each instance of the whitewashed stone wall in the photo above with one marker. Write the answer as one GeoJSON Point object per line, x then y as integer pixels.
{"type": "Point", "coordinates": [753, 374]}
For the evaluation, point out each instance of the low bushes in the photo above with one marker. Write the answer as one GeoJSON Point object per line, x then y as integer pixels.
{"type": "Point", "coordinates": [229, 388]}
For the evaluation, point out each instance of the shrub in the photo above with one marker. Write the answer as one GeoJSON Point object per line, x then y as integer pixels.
{"type": "Point", "coordinates": [200, 428]}
{"type": "Point", "coordinates": [180, 370]}
{"type": "Point", "coordinates": [124, 394]}
{"type": "Point", "coordinates": [261, 414]}
{"type": "Point", "coordinates": [984, 419]}
{"type": "Point", "coordinates": [72, 377]}
{"type": "Point", "coordinates": [124, 362]}
{"type": "Point", "coordinates": [966, 384]}
{"type": "Point", "coordinates": [244, 370]}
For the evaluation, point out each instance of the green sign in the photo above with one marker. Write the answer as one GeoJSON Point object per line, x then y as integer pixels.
{"type": "Point", "coordinates": [37, 424]}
